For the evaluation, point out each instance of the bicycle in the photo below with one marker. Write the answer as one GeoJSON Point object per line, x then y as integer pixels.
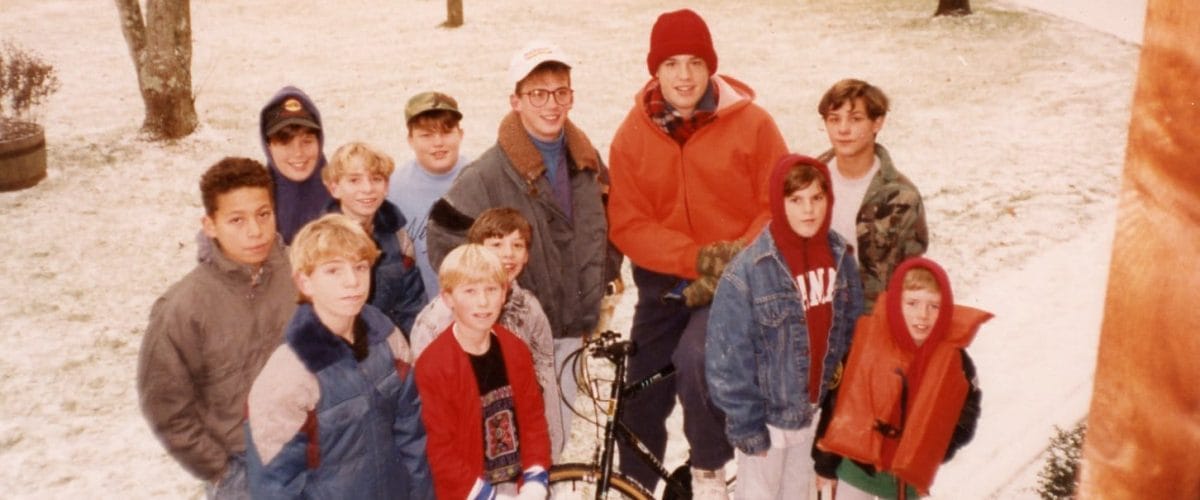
{"type": "Point", "coordinates": [598, 478]}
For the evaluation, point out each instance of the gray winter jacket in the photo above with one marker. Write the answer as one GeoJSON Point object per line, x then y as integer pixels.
{"type": "Point", "coordinates": [208, 337]}
{"type": "Point", "coordinates": [567, 257]}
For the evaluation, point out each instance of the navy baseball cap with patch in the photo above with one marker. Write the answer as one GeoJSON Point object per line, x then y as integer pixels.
{"type": "Point", "coordinates": [290, 111]}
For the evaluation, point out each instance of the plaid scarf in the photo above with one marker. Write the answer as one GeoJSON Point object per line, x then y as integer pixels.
{"type": "Point", "coordinates": [675, 125]}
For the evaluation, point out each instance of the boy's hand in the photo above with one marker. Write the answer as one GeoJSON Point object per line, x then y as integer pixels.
{"type": "Point", "coordinates": [712, 257]}
{"type": "Point", "coordinates": [710, 263]}
{"type": "Point", "coordinates": [699, 293]}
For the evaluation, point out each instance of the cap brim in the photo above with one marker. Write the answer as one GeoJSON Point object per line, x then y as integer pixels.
{"type": "Point", "coordinates": [409, 117]}
{"type": "Point", "coordinates": [293, 121]}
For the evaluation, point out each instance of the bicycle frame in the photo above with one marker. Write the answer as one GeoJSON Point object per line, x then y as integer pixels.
{"type": "Point", "coordinates": [614, 428]}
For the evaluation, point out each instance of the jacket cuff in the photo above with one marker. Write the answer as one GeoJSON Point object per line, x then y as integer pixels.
{"type": "Point", "coordinates": [753, 444]}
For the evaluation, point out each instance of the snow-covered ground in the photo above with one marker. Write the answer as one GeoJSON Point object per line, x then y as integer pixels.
{"type": "Point", "coordinates": [1122, 18]}
{"type": "Point", "coordinates": [1011, 121]}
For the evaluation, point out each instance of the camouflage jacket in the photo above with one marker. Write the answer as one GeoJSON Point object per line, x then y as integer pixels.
{"type": "Point", "coordinates": [890, 225]}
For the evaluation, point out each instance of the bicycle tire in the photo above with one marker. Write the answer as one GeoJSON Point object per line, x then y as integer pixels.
{"type": "Point", "coordinates": [577, 481]}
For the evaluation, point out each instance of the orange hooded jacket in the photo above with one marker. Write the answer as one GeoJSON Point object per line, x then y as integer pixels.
{"type": "Point", "coordinates": [871, 423]}
{"type": "Point", "coordinates": [666, 200]}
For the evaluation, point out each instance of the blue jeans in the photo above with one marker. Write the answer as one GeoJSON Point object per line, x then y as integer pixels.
{"type": "Point", "coordinates": [670, 332]}
{"type": "Point", "coordinates": [233, 485]}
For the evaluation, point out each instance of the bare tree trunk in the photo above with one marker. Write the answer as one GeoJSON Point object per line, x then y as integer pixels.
{"type": "Point", "coordinates": [953, 8]}
{"type": "Point", "coordinates": [454, 14]}
{"type": "Point", "coordinates": [1143, 432]}
{"type": "Point", "coordinates": [161, 48]}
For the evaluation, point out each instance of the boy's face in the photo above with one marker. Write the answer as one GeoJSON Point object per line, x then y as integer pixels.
{"type": "Point", "coordinates": [297, 158]}
{"type": "Point", "coordinates": [243, 225]}
{"type": "Point", "coordinates": [920, 309]}
{"type": "Point", "coordinates": [683, 79]}
{"type": "Point", "coordinates": [436, 149]}
{"type": "Point", "coordinates": [361, 193]}
{"type": "Point", "coordinates": [338, 287]}
{"type": "Point", "coordinates": [543, 122]}
{"type": "Point", "coordinates": [805, 209]}
{"type": "Point", "coordinates": [476, 306]}
{"type": "Point", "coordinates": [513, 251]}
{"type": "Point", "coordinates": [851, 131]}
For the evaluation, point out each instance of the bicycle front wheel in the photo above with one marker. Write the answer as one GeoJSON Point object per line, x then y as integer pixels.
{"type": "Point", "coordinates": [578, 482]}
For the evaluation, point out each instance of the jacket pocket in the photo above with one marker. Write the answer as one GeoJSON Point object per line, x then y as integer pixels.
{"type": "Point", "coordinates": [780, 323]}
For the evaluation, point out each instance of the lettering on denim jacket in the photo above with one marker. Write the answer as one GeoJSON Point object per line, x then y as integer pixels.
{"type": "Point", "coordinates": [816, 286]}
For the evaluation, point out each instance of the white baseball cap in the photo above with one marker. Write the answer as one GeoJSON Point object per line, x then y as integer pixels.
{"type": "Point", "coordinates": [530, 56]}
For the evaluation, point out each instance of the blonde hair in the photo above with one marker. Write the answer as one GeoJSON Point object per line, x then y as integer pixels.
{"type": "Point", "coordinates": [471, 263]}
{"type": "Point", "coordinates": [919, 278]}
{"type": "Point", "coordinates": [330, 237]}
{"type": "Point", "coordinates": [357, 154]}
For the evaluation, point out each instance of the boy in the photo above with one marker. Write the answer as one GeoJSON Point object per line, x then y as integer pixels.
{"type": "Point", "coordinates": [546, 168]}
{"type": "Point", "coordinates": [211, 332]}
{"type": "Point", "coordinates": [434, 134]}
{"type": "Point", "coordinates": [357, 177]}
{"type": "Point", "coordinates": [292, 137]}
{"type": "Point", "coordinates": [482, 405]}
{"type": "Point", "coordinates": [689, 186]}
{"type": "Point", "coordinates": [912, 347]}
{"type": "Point", "coordinates": [782, 318]}
{"type": "Point", "coordinates": [334, 413]}
{"type": "Point", "coordinates": [504, 231]}
{"type": "Point", "coordinates": [881, 213]}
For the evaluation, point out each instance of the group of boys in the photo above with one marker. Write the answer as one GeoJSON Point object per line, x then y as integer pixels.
{"type": "Point", "coordinates": [253, 393]}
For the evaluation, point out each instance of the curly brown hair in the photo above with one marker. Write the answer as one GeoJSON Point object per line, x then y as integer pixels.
{"type": "Point", "coordinates": [233, 173]}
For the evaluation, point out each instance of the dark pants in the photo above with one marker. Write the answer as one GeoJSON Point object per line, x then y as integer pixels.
{"type": "Point", "coordinates": [669, 331]}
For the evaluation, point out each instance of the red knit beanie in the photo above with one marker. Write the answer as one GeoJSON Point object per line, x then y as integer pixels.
{"type": "Point", "coordinates": [680, 32]}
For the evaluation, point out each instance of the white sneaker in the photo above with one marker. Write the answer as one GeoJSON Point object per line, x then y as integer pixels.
{"type": "Point", "coordinates": [709, 484]}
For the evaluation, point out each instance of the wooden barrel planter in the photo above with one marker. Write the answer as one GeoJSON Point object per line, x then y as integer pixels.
{"type": "Point", "coordinates": [22, 155]}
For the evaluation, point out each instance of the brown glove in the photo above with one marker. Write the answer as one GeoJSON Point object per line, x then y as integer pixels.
{"type": "Point", "coordinates": [699, 293]}
{"type": "Point", "coordinates": [710, 263]}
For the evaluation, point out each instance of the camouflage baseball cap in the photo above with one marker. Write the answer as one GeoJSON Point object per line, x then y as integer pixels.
{"type": "Point", "coordinates": [430, 101]}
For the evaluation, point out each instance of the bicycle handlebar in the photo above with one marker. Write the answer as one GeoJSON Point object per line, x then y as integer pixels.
{"type": "Point", "coordinates": [608, 344]}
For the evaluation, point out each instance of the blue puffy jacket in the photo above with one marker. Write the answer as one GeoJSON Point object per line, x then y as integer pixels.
{"type": "Point", "coordinates": [362, 438]}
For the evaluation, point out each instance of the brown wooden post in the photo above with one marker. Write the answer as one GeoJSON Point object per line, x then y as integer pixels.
{"type": "Point", "coordinates": [1143, 436]}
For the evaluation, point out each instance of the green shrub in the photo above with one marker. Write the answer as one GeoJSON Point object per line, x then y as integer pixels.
{"type": "Point", "coordinates": [1060, 475]}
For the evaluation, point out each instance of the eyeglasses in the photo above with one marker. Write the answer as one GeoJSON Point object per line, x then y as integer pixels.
{"type": "Point", "coordinates": [539, 97]}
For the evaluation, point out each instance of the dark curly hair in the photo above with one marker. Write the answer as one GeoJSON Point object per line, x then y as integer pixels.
{"type": "Point", "coordinates": [229, 174]}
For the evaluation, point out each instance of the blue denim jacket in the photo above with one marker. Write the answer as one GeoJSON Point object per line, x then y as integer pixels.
{"type": "Point", "coordinates": [756, 349]}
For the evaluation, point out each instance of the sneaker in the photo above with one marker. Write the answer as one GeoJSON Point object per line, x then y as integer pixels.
{"type": "Point", "coordinates": [709, 484]}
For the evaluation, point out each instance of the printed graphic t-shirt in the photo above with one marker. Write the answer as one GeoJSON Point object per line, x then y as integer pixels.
{"type": "Point", "coordinates": [501, 447]}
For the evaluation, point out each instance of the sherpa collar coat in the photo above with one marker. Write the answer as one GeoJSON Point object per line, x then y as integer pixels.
{"type": "Point", "coordinates": [567, 256]}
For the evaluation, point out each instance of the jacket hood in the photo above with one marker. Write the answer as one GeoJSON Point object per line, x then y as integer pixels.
{"type": "Point", "coordinates": [956, 324]}
{"type": "Point", "coordinates": [296, 202]}
{"type": "Point", "coordinates": [781, 230]}
{"type": "Point", "coordinates": [280, 95]}
{"type": "Point", "coordinates": [895, 316]}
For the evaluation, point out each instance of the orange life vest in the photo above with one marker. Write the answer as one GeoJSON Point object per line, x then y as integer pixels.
{"type": "Point", "coordinates": [879, 419]}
